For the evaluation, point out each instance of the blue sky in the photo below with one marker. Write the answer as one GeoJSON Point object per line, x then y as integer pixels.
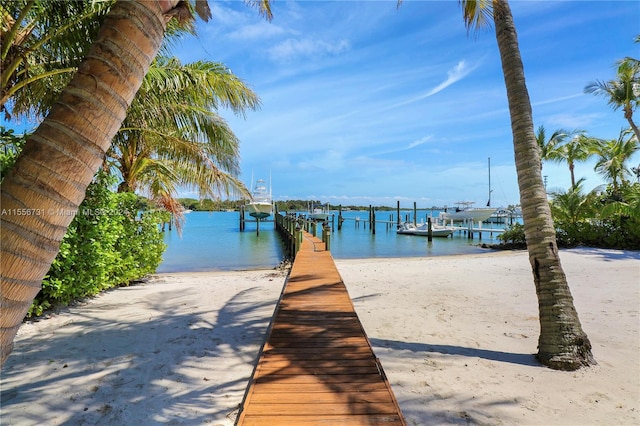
{"type": "Point", "coordinates": [369, 103]}
{"type": "Point", "coordinates": [366, 103]}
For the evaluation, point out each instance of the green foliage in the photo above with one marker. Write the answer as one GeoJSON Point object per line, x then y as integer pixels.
{"type": "Point", "coordinates": [10, 147]}
{"type": "Point", "coordinates": [208, 205]}
{"type": "Point", "coordinates": [514, 236]}
{"type": "Point", "coordinates": [608, 219]}
{"type": "Point", "coordinates": [109, 243]}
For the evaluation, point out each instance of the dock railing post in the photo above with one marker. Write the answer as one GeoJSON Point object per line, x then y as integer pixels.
{"type": "Point", "coordinates": [430, 230]}
{"type": "Point", "coordinates": [326, 236]}
{"type": "Point", "coordinates": [297, 238]}
{"type": "Point", "coordinates": [373, 220]}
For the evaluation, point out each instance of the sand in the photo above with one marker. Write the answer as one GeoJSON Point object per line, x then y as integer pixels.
{"type": "Point", "coordinates": [456, 336]}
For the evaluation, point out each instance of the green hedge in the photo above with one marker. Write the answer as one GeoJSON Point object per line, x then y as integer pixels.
{"type": "Point", "coordinates": [109, 243]}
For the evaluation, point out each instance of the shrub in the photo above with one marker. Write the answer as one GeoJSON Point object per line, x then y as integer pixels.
{"type": "Point", "coordinates": [108, 244]}
{"type": "Point", "coordinates": [513, 237]}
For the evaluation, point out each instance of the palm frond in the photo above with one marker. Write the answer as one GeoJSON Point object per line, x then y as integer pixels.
{"type": "Point", "coordinates": [477, 14]}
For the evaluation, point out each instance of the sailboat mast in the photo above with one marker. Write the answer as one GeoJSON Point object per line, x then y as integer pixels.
{"type": "Point", "coordinates": [489, 202]}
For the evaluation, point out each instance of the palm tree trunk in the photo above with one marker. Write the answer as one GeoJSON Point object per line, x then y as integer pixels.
{"type": "Point", "coordinates": [573, 178]}
{"type": "Point", "coordinates": [41, 194]}
{"type": "Point", "coordinates": [562, 343]}
{"type": "Point", "coordinates": [628, 114]}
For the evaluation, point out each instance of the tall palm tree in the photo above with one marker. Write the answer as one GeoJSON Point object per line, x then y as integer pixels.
{"type": "Point", "coordinates": [562, 343]}
{"type": "Point", "coordinates": [173, 137]}
{"type": "Point", "coordinates": [578, 148]}
{"type": "Point", "coordinates": [43, 190]}
{"type": "Point", "coordinates": [613, 156]}
{"type": "Point", "coordinates": [566, 146]}
{"type": "Point", "coordinates": [623, 92]}
{"type": "Point", "coordinates": [550, 148]}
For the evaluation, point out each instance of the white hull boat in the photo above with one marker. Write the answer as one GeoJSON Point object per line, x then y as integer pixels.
{"type": "Point", "coordinates": [261, 204]}
{"type": "Point", "coordinates": [465, 213]}
{"type": "Point", "coordinates": [319, 214]}
{"type": "Point", "coordinates": [423, 229]}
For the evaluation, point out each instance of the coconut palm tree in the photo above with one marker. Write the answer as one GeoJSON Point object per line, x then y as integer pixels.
{"type": "Point", "coordinates": [566, 146]}
{"type": "Point", "coordinates": [173, 137]}
{"type": "Point", "coordinates": [549, 148]}
{"type": "Point", "coordinates": [41, 44]}
{"type": "Point", "coordinates": [623, 92]}
{"type": "Point", "coordinates": [573, 207]}
{"type": "Point", "coordinates": [578, 148]}
{"type": "Point", "coordinates": [613, 156]}
{"type": "Point", "coordinates": [43, 190]}
{"type": "Point", "coordinates": [562, 343]}
{"type": "Point", "coordinates": [636, 172]}
{"type": "Point", "coordinates": [628, 206]}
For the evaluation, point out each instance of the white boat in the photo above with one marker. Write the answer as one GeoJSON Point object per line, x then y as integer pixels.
{"type": "Point", "coordinates": [319, 213]}
{"type": "Point", "coordinates": [261, 204]}
{"type": "Point", "coordinates": [408, 228]}
{"type": "Point", "coordinates": [465, 212]}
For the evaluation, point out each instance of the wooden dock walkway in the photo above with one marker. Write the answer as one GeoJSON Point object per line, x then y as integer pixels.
{"type": "Point", "coordinates": [317, 366]}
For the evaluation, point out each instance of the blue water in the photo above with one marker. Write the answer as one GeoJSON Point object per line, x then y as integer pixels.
{"type": "Point", "coordinates": [213, 241]}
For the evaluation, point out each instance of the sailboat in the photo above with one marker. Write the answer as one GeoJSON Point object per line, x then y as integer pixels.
{"type": "Point", "coordinates": [465, 211]}
{"type": "Point", "coordinates": [261, 204]}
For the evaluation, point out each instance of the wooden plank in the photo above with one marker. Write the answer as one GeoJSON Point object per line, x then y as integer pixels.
{"type": "Point", "coordinates": [352, 420]}
{"type": "Point", "coordinates": [310, 357]}
{"type": "Point", "coordinates": [298, 369]}
{"type": "Point", "coordinates": [321, 409]}
{"type": "Point", "coordinates": [326, 379]}
{"type": "Point", "coordinates": [283, 361]}
{"type": "Point", "coordinates": [297, 388]}
{"type": "Point", "coordinates": [326, 397]}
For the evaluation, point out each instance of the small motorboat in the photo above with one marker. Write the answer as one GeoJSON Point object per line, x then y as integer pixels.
{"type": "Point", "coordinates": [408, 228]}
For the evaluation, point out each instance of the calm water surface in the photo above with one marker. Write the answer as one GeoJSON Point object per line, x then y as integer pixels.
{"type": "Point", "coordinates": [213, 241]}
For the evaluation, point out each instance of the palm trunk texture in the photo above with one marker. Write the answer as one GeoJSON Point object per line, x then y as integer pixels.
{"type": "Point", "coordinates": [562, 345]}
{"type": "Point", "coordinates": [42, 193]}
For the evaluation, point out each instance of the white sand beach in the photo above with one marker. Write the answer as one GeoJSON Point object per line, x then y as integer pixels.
{"type": "Point", "coordinates": [456, 336]}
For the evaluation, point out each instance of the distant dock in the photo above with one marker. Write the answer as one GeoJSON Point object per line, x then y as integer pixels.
{"type": "Point", "coordinates": [371, 221]}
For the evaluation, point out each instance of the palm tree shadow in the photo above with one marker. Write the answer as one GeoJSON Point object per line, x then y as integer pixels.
{"type": "Point", "coordinates": [607, 255]}
{"type": "Point", "coordinates": [528, 360]}
{"type": "Point", "coordinates": [138, 369]}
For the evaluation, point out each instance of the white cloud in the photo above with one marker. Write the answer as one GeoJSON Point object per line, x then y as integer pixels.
{"type": "Point", "coordinates": [457, 73]}
{"type": "Point", "coordinates": [555, 100]}
{"type": "Point", "coordinates": [294, 48]}
{"type": "Point", "coordinates": [401, 148]}
{"type": "Point", "coordinates": [572, 121]}
{"type": "Point", "coordinates": [260, 30]}
{"type": "Point", "coordinates": [419, 142]}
